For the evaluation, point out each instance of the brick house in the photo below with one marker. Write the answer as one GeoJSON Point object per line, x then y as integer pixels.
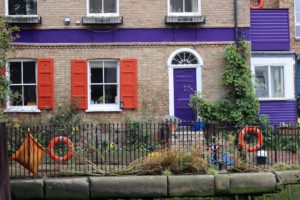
{"type": "Point", "coordinates": [118, 60]}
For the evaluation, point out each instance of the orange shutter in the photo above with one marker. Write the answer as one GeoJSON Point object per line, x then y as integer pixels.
{"type": "Point", "coordinates": [45, 83]}
{"type": "Point", "coordinates": [3, 72]}
{"type": "Point", "coordinates": [128, 83]}
{"type": "Point", "coordinates": [79, 83]}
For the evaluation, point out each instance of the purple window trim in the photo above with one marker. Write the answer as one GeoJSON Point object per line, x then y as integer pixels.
{"type": "Point", "coordinates": [129, 35]}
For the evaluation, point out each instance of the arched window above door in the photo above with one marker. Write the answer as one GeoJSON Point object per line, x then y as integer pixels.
{"type": "Point", "coordinates": [184, 58]}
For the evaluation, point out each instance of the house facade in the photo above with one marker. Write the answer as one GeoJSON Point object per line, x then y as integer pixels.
{"type": "Point", "coordinates": [274, 59]}
{"type": "Point", "coordinates": [118, 58]}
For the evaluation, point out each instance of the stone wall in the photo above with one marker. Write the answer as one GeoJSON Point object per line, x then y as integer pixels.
{"type": "Point", "coordinates": [257, 186]}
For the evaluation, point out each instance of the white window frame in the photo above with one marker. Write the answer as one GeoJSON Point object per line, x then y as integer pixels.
{"type": "Point", "coordinates": [288, 74]}
{"type": "Point", "coordinates": [7, 11]}
{"type": "Point", "coordinates": [24, 108]}
{"type": "Point", "coordinates": [101, 14]}
{"type": "Point", "coordinates": [198, 13]}
{"type": "Point", "coordinates": [295, 17]}
{"type": "Point", "coordinates": [104, 107]}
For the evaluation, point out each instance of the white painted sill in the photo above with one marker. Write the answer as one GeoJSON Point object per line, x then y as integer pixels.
{"type": "Point", "coordinates": [23, 109]}
{"type": "Point", "coordinates": [106, 108]}
{"type": "Point", "coordinates": [275, 99]}
{"type": "Point", "coordinates": [102, 110]}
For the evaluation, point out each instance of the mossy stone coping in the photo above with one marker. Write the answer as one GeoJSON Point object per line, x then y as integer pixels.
{"type": "Point", "coordinates": [134, 187]}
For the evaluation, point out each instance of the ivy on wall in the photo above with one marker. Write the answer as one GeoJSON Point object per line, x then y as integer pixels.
{"type": "Point", "coordinates": [6, 38]}
{"type": "Point", "coordinates": [240, 104]}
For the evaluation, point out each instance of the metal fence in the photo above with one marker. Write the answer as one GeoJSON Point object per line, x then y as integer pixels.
{"type": "Point", "coordinates": [88, 149]}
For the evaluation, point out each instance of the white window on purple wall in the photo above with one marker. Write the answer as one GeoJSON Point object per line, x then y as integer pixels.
{"type": "Point", "coordinates": [103, 7]}
{"type": "Point", "coordinates": [21, 7]}
{"type": "Point", "coordinates": [269, 81]}
{"type": "Point", "coordinates": [273, 76]}
{"type": "Point", "coordinates": [184, 7]}
{"type": "Point", "coordinates": [297, 18]}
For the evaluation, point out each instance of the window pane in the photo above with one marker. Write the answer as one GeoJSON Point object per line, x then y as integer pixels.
{"type": "Point", "coordinates": [16, 95]}
{"type": "Point", "coordinates": [31, 7]}
{"type": "Point", "coordinates": [298, 17]}
{"type": "Point", "coordinates": [96, 75]}
{"type": "Point", "coordinates": [261, 82]}
{"type": "Point", "coordinates": [298, 31]}
{"type": "Point", "coordinates": [277, 82]}
{"type": "Point", "coordinates": [15, 72]}
{"type": "Point", "coordinates": [29, 72]}
{"type": "Point", "coordinates": [22, 7]}
{"type": "Point", "coordinates": [110, 93]}
{"type": "Point", "coordinates": [97, 94]}
{"type": "Point", "coordinates": [95, 6]}
{"type": "Point", "coordinates": [110, 74]}
{"type": "Point", "coordinates": [30, 95]}
{"type": "Point", "coordinates": [110, 6]}
{"type": "Point", "coordinates": [191, 5]}
{"type": "Point", "coordinates": [176, 5]}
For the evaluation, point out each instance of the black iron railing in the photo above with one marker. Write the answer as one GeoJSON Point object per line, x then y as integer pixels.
{"type": "Point", "coordinates": [106, 148]}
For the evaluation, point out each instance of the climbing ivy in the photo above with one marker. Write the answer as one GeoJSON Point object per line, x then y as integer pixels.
{"type": "Point", "coordinates": [240, 103]}
{"type": "Point", "coordinates": [6, 38]}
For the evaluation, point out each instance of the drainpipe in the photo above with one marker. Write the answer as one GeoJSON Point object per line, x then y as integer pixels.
{"type": "Point", "coordinates": [236, 35]}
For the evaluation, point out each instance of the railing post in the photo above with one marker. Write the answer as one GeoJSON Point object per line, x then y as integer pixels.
{"type": "Point", "coordinates": [4, 173]}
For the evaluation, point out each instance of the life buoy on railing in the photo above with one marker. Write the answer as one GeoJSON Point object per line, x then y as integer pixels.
{"type": "Point", "coordinates": [259, 4]}
{"type": "Point", "coordinates": [70, 148]}
{"type": "Point", "coordinates": [259, 142]}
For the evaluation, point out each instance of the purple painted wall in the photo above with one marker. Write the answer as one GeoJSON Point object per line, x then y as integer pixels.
{"type": "Point", "coordinates": [270, 30]}
{"type": "Point", "coordinates": [129, 35]}
{"type": "Point", "coordinates": [279, 111]}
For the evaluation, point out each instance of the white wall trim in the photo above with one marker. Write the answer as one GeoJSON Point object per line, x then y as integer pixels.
{"type": "Point", "coordinates": [184, 13]}
{"type": "Point", "coordinates": [102, 14]}
{"type": "Point", "coordinates": [104, 107]}
{"type": "Point", "coordinates": [288, 69]}
{"type": "Point", "coordinates": [171, 74]}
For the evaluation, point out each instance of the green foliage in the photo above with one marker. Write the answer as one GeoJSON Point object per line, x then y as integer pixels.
{"type": "Point", "coordinates": [137, 135]}
{"type": "Point", "coordinates": [240, 104]}
{"type": "Point", "coordinates": [5, 39]}
{"type": "Point", "coordinates": [66, 115]}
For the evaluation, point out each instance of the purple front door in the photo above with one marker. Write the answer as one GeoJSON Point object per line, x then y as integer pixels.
{"type": "Point", "coordinates": [184, 86]}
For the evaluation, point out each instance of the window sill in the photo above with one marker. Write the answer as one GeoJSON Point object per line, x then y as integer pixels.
{"type": "Point", "coordinates": [274, 99]}
{"type": "Point", "coordinates": [31, 109]}
{"type": "Point", "coordinates": [102, 110]}
{"type": "Point", "coordinates": [183, 19]}
{"type": "Point", "coordinates": [23, 19]}
{"type": "Point", "coordinates": [94, 20]}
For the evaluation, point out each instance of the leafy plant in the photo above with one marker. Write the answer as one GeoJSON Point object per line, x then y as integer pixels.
{"type": "Point", "coordinates": [6, 38]}
{"type": "Point", "coordinates": [240, 103]}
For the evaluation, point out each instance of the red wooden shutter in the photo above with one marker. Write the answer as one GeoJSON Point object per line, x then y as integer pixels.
{"type": "Point", "coordinates": [3, 72]}
{"type": "Point", "coordinates": [45, 83]}
{"type": "Point", "coordinates": [79, 83]}
{"type": "Point", "coordinates": [128, 83]}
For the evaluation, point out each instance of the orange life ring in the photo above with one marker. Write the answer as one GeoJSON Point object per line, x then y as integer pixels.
{"type": "Point", "coordinates": [259, 139]}
{"type": "Point", "coordinates": [70, 148]}
{"type": "Point", "coordinates": [258, 6]}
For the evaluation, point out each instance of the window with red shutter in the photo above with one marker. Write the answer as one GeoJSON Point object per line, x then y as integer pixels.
{"type": "Point", "coordinates": [103, 86]}
{"type": "Point", "coordinates": [3, 95]}
{"type": "Point", "coordinates": [23, 85]}
{"type": "Point", "coordinates": [128, 83]}
{"type": "Point", "coordinates": [79, 83]}
{"type": "Point", "coordinates": [45, 83]}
